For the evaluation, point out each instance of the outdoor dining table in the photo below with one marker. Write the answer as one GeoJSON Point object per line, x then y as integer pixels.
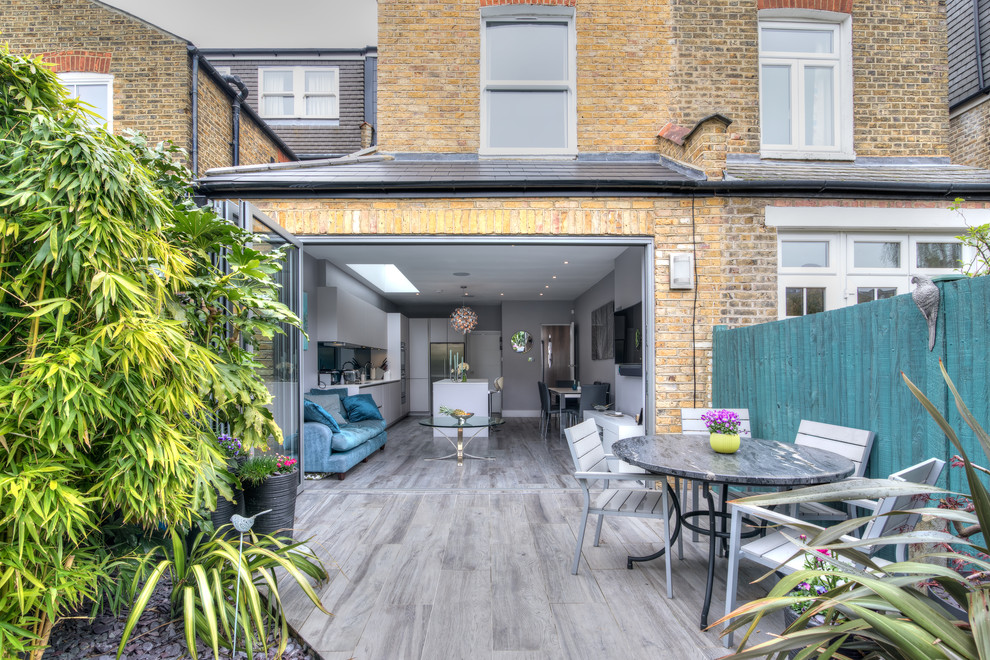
{"type": "Point", "coordinates": [758, 462]}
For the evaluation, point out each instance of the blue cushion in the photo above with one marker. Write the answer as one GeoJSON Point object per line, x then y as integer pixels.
{"type": "Point", "coordinates": [354, 435]}
{"type": "Point", "coordinates": [329, 402]}
{"type": "Point", "coordinates": [339, 391]}
{"type": "Point", "coordinates": [360, 407]}
{"type": "Point", "coordinates": [312, 412]}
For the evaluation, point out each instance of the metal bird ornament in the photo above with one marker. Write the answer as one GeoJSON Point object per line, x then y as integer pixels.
{"type": "Point", "coordinates": [926, 297]}
{"type": "Point", "coordinates": [244, 525]}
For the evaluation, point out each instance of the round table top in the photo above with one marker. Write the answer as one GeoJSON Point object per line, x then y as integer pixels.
{"type": "Point", "coordinates": [475, 421]}
{"type": "Point", "coordinates": [758, 462]}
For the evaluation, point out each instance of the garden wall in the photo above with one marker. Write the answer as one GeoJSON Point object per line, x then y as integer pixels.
{"type": "Point", "coordinates": [844, 367]}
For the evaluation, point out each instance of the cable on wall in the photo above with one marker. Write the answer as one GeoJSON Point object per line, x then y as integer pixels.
{"type": "Point", "coordinates": [694, 306]}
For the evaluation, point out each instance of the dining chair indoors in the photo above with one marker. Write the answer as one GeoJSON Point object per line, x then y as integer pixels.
{"type": "Point", "coordinates": [497, 386]}
{"type": "Point", "coordinates": [547, 412]}
{"type": "Point", "coordinates": [591, 396]}
{"type": "Point", "coordinates": [591, 466]}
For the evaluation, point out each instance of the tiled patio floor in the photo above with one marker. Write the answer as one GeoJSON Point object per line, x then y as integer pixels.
{"type": "Point", "coordinates": [433, 561]}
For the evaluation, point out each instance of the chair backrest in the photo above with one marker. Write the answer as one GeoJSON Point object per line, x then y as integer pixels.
{"type": "Point", "coordinates": [691, 420]}
{"type": "Point", "coordinates": [608, 387]}
{"type": "Point", "coordinates": [564, 383]}
{"type": "Point", "coordinates": [544, 396]}
{"type": "Point", "coordinates": [926, 472]}
{"type": "Point", "coordinates": [586, 447]}
{"type": "Point", "coordinates": [592, 395]}
{"type": "Point", "coordinates": [499, 383]}
{"type": "Point", "coordinates": [854, 444]}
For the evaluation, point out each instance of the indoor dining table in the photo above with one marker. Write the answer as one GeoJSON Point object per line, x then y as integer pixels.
{"type": "Point", "coordinates": [758, 462]}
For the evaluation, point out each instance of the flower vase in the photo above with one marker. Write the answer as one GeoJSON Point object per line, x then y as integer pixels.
{"type": "Point", "coordinates": [278, 493]}
{"type": "Point", "coordinates": [724, 443]}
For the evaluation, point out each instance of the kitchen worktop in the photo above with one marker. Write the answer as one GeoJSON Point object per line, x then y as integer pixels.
{"type": "Point", "coordinates": [371, 383]}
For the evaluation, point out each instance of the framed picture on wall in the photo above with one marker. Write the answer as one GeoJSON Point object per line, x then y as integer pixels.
{"type": "Point", "coordinates": [602, 347]}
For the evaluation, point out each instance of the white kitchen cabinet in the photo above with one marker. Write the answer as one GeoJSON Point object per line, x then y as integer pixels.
{"type": "Point", "coordinates": [419, 349]}
{"type": "Point", "coordinates": [439, 330]}
{"type": "Point", "coordinates": [612, 429]}
{"type": "Point", "coordinates": [346, 318]}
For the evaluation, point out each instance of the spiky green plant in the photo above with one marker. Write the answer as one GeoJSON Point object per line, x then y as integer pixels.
{"type": "Point", "coordinates": [882, 610]}
{"type": "Point", "coordinates": [204, 572]}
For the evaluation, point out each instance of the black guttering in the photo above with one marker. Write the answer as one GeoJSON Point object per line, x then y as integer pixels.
{"type": "Point", "coordinates": [204, 64]}
{"type": "Point", "coordinates": [591, 188]}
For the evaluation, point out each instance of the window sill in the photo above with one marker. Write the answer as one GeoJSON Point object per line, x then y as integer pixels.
{"type": "Point", "coordinates": [806, 155]}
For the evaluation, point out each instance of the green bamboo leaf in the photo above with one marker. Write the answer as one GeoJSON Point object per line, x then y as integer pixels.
{"type": "Point", "coordinates": [979, 618]}
{"type": "Point", "coordinates": [209, 611]}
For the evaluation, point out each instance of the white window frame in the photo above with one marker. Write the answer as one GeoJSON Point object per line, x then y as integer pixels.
{"type": "Point", "coordinates": [299, 91]}
{"type": "Point", "coordinates": [967, 254]}
{"type": "Point", "coordinates": [834, 256]}
{"type": "Point", "coordinates": [841, 61]}
{"type": "Point", "coordinates": [70, 79]}
{"type": "Point", "coordinates": [853, 238]}
{"type": "Point", "coordinates": [530, 14]}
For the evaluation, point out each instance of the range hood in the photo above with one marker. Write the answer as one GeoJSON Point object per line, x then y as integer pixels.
{"type": "Point", "coordinates": [344, 344]}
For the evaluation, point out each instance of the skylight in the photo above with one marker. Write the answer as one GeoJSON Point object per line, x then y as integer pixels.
{"type": "Point", "coordinates": [385, 277]}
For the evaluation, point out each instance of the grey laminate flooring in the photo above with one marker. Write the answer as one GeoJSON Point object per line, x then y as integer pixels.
{"type": "Point", "coordinates": [433, 561]}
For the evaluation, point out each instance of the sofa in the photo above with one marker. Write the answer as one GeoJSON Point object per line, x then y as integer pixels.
{"type": "Point", "coordinates": [340, 430]}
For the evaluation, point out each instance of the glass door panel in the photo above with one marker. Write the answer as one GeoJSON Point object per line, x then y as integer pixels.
{"type": "Point", "coordinates": [281, 356]}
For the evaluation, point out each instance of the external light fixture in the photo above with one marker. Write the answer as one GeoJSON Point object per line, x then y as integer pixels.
{"type": "Point", "coordinates": [681, 271]}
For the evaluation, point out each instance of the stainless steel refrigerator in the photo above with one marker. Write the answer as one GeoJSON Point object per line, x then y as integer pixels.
{"type": "Point", "coordinates": [441, 355]}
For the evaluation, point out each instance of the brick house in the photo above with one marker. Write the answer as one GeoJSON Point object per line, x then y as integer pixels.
{"type": "Point", "coordinates": [969, 89]}
{"type": "Point", "coordinates": [140, 77]}
{"type": "Point", "coordinates": [321, 102]}
{"type": "Point", "coordinates": [795, 155]}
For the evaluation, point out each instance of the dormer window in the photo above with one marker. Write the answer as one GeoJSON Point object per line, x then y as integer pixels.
{"type": "Point", "coordinates": [299, 92]}
{"type": "Point", "coordinates": [528, 101]}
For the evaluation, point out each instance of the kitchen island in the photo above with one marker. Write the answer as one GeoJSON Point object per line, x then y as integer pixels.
{"type": "Point", "coordinates": [471, 397]}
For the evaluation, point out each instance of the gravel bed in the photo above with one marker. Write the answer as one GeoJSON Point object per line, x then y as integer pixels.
{"type": "Point", "coordinates": [156, 637]}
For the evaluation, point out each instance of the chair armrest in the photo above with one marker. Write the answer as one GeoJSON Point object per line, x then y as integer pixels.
{"type": "Point", "coordinates": [761, 513]}
{"type": "Point", "coordinates": [609, 476]}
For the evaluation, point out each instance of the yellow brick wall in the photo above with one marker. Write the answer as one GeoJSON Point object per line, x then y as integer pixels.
{"type": "Point", "coordinates": [150, 67]}
{"type": "Point", "coordinates": [645, 63]}
{"type": "Point", "coordinates": [968, 133]}
{"type": "Point", "coordinates": [736, 263]}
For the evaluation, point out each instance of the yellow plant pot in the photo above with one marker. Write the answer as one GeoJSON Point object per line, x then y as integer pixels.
{"type": "Point", "coordinates": [725, 443]}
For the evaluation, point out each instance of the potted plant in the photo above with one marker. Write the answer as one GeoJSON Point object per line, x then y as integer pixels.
{"type": "Point", "coordinates": [723, 425]}
{"type": "Point", "coordinates": [232, 450]}
{"type": "Point", "coordinates": [270, 482]}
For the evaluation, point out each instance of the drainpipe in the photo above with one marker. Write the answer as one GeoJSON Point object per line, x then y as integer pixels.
{"type": "Point", "coordinates": [195, 109]}
{"type": "Point", "coordinates": [235, 107]}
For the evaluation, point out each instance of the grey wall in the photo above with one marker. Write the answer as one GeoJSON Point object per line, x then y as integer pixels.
{"type": "Point", "coordinates": [489, 316]}
{"type": "Point", "coordinates": [520, 396]}
{"type": "Point", "coordinates": [589, 370]}
{"type": "Point", "coordinates": [629, 394]}
{"type": "Point", "coordinates": [312, 273]}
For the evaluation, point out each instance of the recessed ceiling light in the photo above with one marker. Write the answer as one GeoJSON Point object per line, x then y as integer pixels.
{"type": "Point", "coordinates": [461, 274]}
{"type": "Point", "coordinates": [501, 294]}
{"type": "Point", "coordinates": [567, 262]}
{"type": "Point", "coordinates": [547, 286]}
{"type": "Point", "coordinates": [554, 277]}
{"type": "Point", "coordinates": [541, 294]}
{"type": "Point", "coordinates": [386, 277]}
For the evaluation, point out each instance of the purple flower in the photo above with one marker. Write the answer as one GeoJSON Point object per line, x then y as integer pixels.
{"type": "Point", "coordinates": [721, 421]}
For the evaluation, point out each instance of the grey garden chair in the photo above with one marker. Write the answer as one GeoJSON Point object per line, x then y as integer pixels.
{"type": "Point", "coordinates": [778, 552]}
{"type": "Point", "coordinates": [692, 423]}
{"type": "Point", "coordinates": [591, 465]}
{"type": "Point", "coordinates": [854, 444]}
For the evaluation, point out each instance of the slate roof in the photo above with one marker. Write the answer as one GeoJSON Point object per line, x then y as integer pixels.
{"type": "Point", "coordinates": [383, 173]}
{"type": "Point", "coordinates": [929, 172]}
{"type": "Point", "coordinates": [374, 174]}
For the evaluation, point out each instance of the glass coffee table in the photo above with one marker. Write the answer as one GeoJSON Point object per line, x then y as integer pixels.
{"type": "Point", "coordinates": [475, 422]}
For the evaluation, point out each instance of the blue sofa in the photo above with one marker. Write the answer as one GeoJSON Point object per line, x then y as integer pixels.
{"type": "Point", "coordinates": [340, 430]}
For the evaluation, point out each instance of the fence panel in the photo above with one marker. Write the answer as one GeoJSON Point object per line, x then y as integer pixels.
{"type": "Point", "coordinates": [844, 367]}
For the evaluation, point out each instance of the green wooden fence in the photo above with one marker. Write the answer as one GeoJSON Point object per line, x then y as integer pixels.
{"type": "Point", "coordinates": [844, 367]}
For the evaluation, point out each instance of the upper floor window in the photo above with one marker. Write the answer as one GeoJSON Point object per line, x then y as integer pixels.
{"type": "Point", "coordinates": [299, 92]}
{"type": "Point", "coordinates": [528, 104]}
{"type": "Point", "coordinates": [805, 89]}
{"type": "Point", "coordinates": [96, 89]}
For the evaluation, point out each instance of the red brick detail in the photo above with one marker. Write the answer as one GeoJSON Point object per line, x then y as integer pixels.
{"type": "Point", "coordinates": [674, 133]}
{"type": "Point", "coordinates": [841, 6]}
{"type": "Point", "coordinates": [555, 3]}
{"type": "Point", "coordinates": [78, 60]}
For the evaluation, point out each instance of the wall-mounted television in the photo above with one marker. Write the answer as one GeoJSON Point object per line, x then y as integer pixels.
{"type": "Point", "coordinates": [629, 340]}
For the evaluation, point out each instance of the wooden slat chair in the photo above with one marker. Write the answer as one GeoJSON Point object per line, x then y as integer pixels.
{"type": "Point", "coordinates": [777, 551]}
{"type": "Point", "coordinates": [854, 444]}
{"type": "Point", "coordinates": [691, 423]}
{"type": "Point", "coordinates": [591, 465]}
